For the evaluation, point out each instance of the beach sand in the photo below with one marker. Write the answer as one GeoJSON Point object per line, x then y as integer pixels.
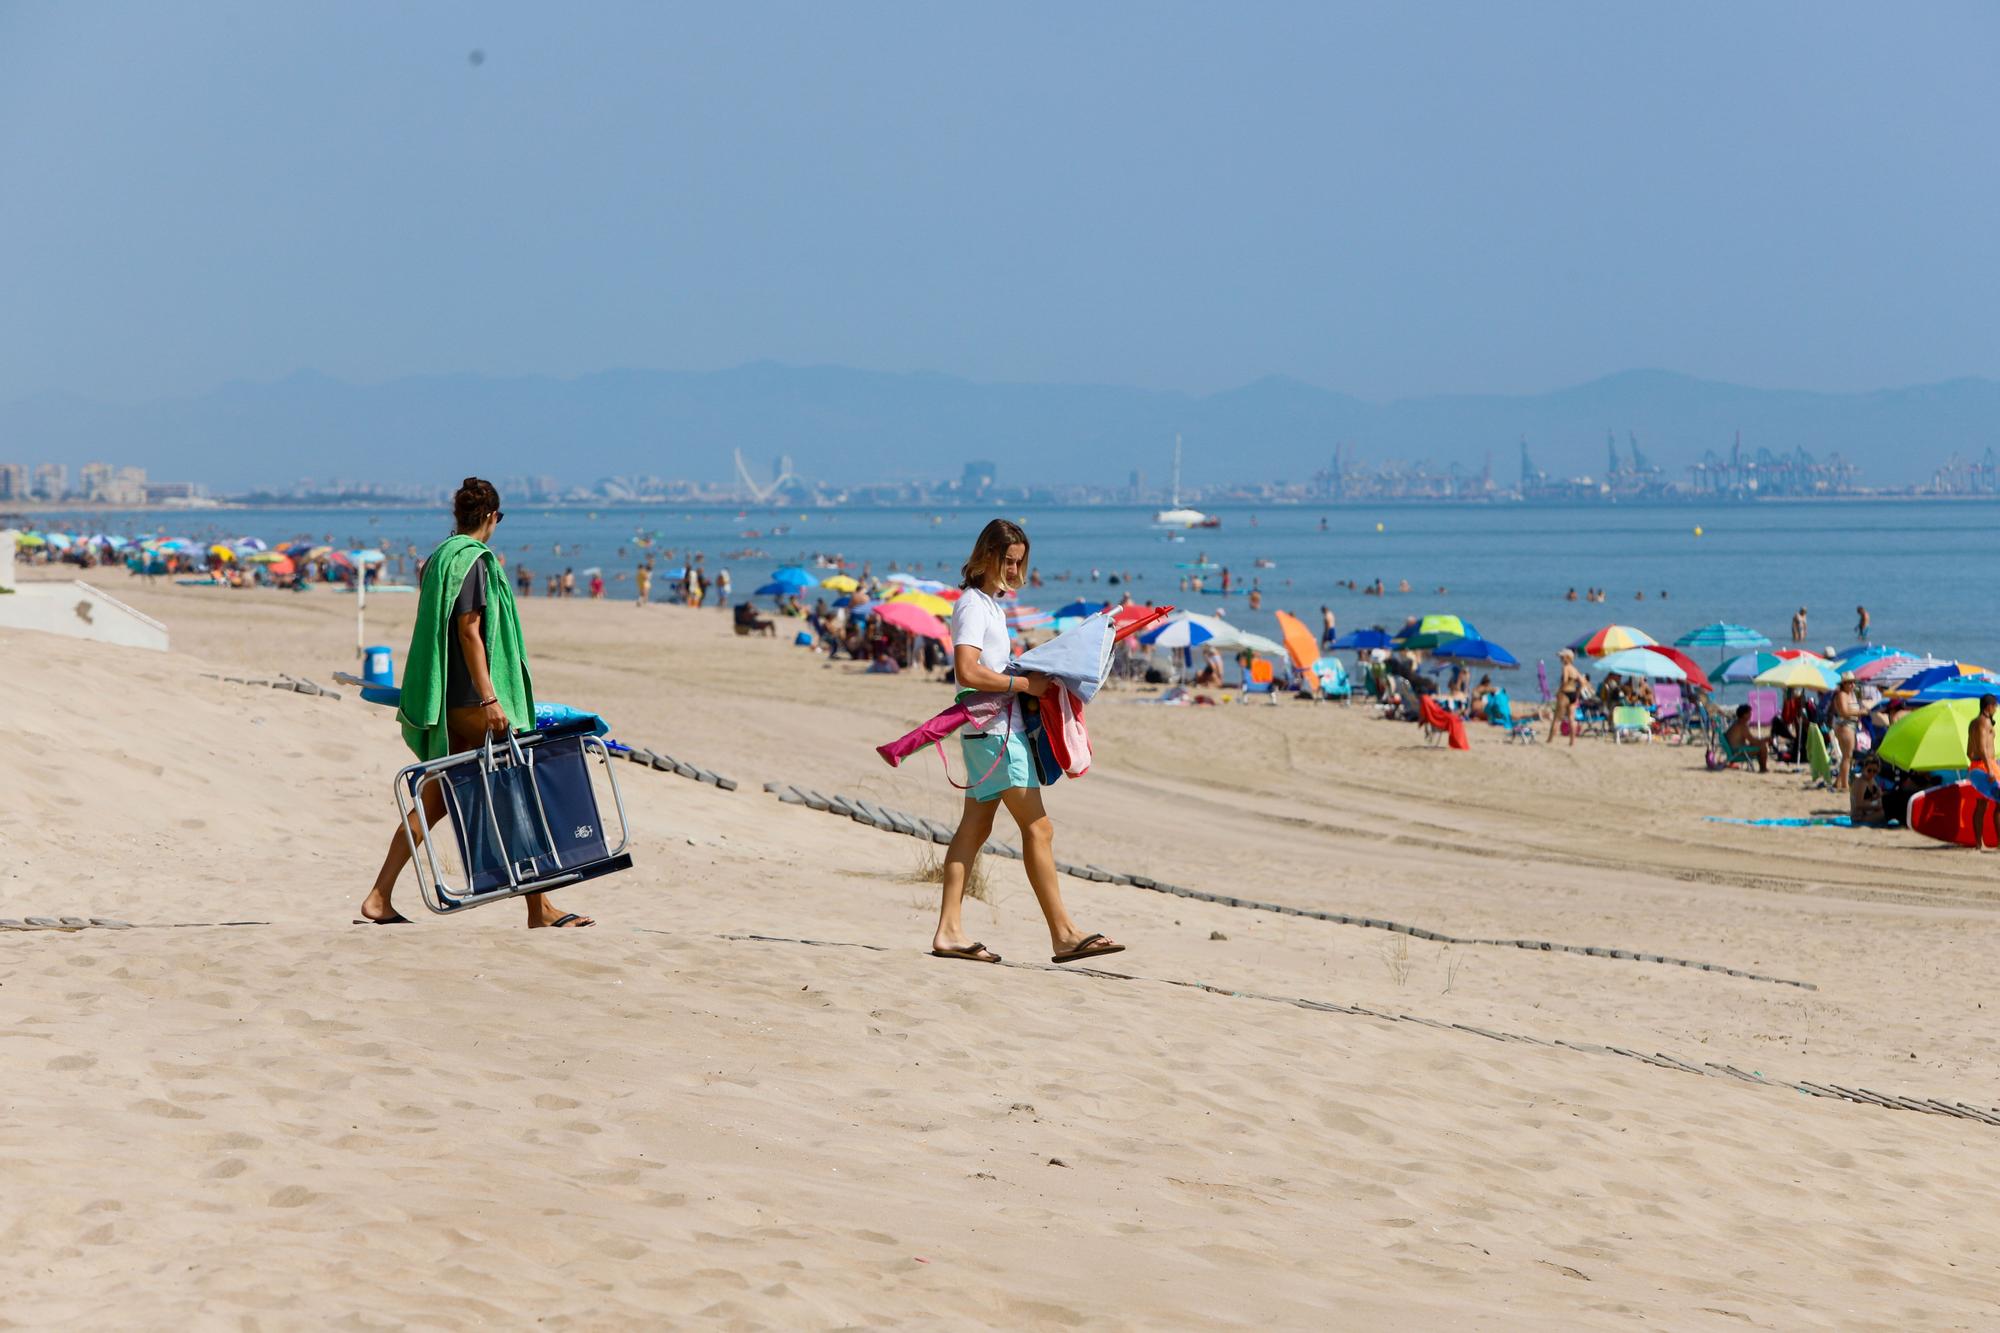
{"type": "Point", "coordinates": [660, 1121]}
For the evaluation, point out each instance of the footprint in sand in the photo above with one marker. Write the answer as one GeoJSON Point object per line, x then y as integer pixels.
{"type": "Point", "coordinates": [66, 1063]}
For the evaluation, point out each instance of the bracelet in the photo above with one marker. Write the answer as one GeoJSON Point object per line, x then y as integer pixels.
{"type": "Point", "coordinates": [494, 700]}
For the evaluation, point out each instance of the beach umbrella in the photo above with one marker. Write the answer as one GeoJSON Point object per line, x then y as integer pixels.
{"type": "Point", "coordinates": [248, 544]}
{"type": "Point", "coordinates": [1478, 652]}
{"type": "Point", "coordinates": [1722, 634]}
{"type": "Point", "coordinates": [297, 549]}
{"type": "Point", "coordinates": [1937, 675]}
{"type": "Point", "coordinates": [1258, 644]}
{"type": "Point", "coordinates": [1134, 614]}
{"type": "Point", "coordinates": [1748, 666]}
{"type": "Point", "coordinates": [1430, 631]}
{"type": "Point", "coordinates": [1300, 645]}
{"type": "Point", "coordinates": [1611, 639]}
{"type": "Point", "coordinates": [339, 558]}
{"type": "Point", "coordinates": [1958, 687]}
{"type": "Point", "coordinates": [177, 544]}
{"type": "Point", "coordinates": [60, 541]}
{"type": "Point", "coordinates": [1801, 673]}
{"type": "Point", "coordinates": [841, 583]}
{"type": "Point", "coordinates": [1695, 675]}
{"type": "Point", "coordinates": [367, 556]}
{"type": "Point", "coordinates": [901, 576]}
{"type": "Point", "coordinates": [907, 616]}
{"type": "Point", "coordinates": [31, 539]}
{"type": "Point", "coordinates": [267, 558]}
{"type": "Point", "coordinates": [1862, 654]}
{"type": "Point", "coordinates": [1078, 609]}
{"type": "Point", "coordinates": [1930, 738]}
{"type": "Point", "coordinates": [929, 601]}
{"type": "Point", "coordinates": [221, 552]}
{"type": "Point", "coordinates": [1890, 672]}
{"type": "Point", "coordinates": [794, 575]}
{"type": "Point", "coordinates": [1880, 666]}
{"type": "Point", "coordinates": [776, 590]}
{"type": "Point", "coordinates": [1188, 629]}
{"type": "Point", "coordinates": [1640, 662]}
{"type": "Point", "coordinates": [1364, 640]}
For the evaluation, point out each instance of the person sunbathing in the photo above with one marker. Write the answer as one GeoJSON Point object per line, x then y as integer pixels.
{"type": "Point", "coordinates": [1864, 797]}
{"type": "Point", "coordinates": [749, 622]}
{"type": "Point", "coordinates": [1746, 743]}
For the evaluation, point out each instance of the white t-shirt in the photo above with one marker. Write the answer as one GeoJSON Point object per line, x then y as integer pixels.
{"type": "Point", "coordinates": [979, 620]}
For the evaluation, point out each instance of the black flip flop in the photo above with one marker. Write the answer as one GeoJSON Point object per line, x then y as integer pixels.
{"type": "Point", "coordinates": [1083, 950]}
{"type": "Point", "coordinates": [397, 920]}
{"type": "Point", "coordinates": [563, 921]}
{"type": "Point", "coordinates": [971, 953]}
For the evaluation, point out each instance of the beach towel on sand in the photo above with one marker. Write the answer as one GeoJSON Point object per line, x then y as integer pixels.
{"type": "Point", "coordinates": [421, 710]}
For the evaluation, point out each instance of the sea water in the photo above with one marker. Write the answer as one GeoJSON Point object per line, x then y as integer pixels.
{"type": "Point", "coordinates": [1917, 567]}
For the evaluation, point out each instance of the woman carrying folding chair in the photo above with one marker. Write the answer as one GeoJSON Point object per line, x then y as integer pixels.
{"type": "Point", "coordinates": [465, 678]}
{"type": "Point", "coordinates": [1000, 765]}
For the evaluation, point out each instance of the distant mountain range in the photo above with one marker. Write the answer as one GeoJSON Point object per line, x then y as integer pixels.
{"type": "Point", "coordinates": [853, 426]}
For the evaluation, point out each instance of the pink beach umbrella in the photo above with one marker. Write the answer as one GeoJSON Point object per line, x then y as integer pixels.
{"type": "Point", "coordinates": [904, 615]}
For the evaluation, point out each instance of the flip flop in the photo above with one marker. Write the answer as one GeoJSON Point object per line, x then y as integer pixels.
{"type": "Point", "coordinates": [567, 917]}
{"type": "Point", "coordinates": [397, 920]}
{"type": "Point", "coordinates": [1083, 950]}
{"type": "Point", "coordinates": [971, 953]}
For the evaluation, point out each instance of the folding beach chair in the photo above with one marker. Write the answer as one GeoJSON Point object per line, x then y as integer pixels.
{"type": "Point", "coordinates": [1259, 678]}
{"type": "Point", "coordinates": [524, 816]}
{"type": "Point", "coordinates": [1667, 703]}
{"type": "Point", "coordinates": [1763, 708]}
{"type": "Point", "coordinates": [1629, 722]}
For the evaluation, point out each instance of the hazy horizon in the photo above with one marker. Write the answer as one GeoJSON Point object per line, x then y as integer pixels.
{"type": "Point", "coordinates": [1385, 203]}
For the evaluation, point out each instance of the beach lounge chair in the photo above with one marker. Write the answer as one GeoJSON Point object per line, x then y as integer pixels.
{"type": "Point", "coordinates": [1764, 704]}
{"type": "Point", "coordinates": [1259, 678]}
{"type": "Point", "coordinates": [1441, 724]}
{"type": "Point", "coordinates": [524, 816]}
{"type": "Point", "coordinates": [1667, 704]}
{"type": "Point", "coordinates": [1629, 722]}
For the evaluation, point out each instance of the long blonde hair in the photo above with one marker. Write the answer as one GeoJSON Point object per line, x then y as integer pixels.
{"type": "Point", "coordinates": [990, 551]}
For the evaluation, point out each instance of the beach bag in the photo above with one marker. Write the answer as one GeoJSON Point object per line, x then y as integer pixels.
{"type": "Point", "coordinates": [1714, 760]}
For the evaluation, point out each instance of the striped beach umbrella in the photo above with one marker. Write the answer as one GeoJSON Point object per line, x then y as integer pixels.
{"type": "Point", "coordinates": [1612, 639]}
{"type": "Point", "coordinates": [1722, 634]}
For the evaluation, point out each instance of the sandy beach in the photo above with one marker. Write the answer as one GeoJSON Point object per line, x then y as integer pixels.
{"type": "Point", "coordinates": [294, 1121]}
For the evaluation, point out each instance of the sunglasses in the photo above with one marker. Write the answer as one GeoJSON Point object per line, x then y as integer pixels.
{"type": "Point", "coordinates": [499, 514]}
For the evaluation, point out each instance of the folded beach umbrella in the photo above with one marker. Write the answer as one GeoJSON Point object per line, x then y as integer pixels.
{"type": "Point", "coordinates": [1478, 652]}
{"type": "Point", "coordinates": [914, 619]}
{"type": "Point", "coordinates": [1080, 658]}
{"type": "Point", "coordinates": [1695, 675]}
{"type": "Point", "coordinates": [1722, 634]}
{"type": "Point", "coordinates": [1430, 631]}
{"type": "Point", "coordinates": [796, 576]}
{"type": "Point", "coordinates": [1930, 738]}
{"type": "Point", "coordinates": [841, 583]}
{"type": "Point", "coordinates": [1300, 645]}
{"type": "Point", "coordinates": [1364, 640]}
{"type": "Point", "coordinates": [1639, 662]}
{"type": "Point", "coordinates": [930, 602]}
{"type": "Point", "coordinates": [1801, 673]}
{"type": "Point", "coordinates": [1611, 639]}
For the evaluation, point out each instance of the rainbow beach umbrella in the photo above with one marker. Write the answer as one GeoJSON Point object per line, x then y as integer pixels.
{"type": "Point", "coordinates": [1612, 639]}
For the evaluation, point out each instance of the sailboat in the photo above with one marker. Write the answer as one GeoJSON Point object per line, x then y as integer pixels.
{"type": "Point", "coordinates": [1174, 515]}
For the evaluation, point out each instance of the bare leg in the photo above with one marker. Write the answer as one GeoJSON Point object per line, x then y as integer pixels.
{"type": "Point", "coordinates": [975, 826]}
{"type": "Point", "coordinates": [1038, 856]}
{"type": "Point", "coordinates": [543, 912]}
{"type": "Point", "coordinates": [377, 905]}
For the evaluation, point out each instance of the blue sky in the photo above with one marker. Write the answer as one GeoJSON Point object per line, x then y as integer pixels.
{"type": "Point", "coordinates": [1383, 199]}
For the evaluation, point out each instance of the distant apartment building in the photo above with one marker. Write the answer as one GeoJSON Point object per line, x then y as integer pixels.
{"type": "Point", "coordinates": [51, 481]}
{"type": "Point", "coordinates": [13, 481]}
{"type": "Point", "coordinates": [174, 492]}
{"type": "Point", "coordinates": [102, 483]}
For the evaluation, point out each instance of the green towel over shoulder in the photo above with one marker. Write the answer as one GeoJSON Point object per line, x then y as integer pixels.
{"type": "Point", "coordinates": [422, 709]}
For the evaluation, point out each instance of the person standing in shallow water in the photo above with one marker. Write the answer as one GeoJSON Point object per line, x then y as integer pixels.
{"type": "Point", "coordinates": [471, 708]}
{"type": "Point", "coordinates": [1000, 764]}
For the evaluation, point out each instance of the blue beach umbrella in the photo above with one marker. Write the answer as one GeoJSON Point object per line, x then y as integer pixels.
{"type": "Point", "coordinates": [776, 589]}
{"type": "Point", "coordinates": [795, 576]}
{"type": "Point", "coordinates": [1861, 654]}
{"type": "Point", "coordinates": [1480, 652]}
{"type": "Point", "coordinates": [1957, 687]}
{"type": "Point", "coordinates": [1078, 609]}
{"type": "Point", "coordinates": [1362, 640]}
{"type": "Point", "coordinates": [1722, 634]}
{"type": "Point", "coordinates": [1938, 675]}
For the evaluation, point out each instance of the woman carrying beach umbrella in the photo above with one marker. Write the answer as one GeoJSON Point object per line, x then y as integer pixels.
{"type": "Point", "coordinates": [999, 763]}
{"type": "Point", "coordinates": [465, 678]}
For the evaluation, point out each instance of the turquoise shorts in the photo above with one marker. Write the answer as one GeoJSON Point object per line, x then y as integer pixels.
{"type": "Point", "coordinates": [980, 754]}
